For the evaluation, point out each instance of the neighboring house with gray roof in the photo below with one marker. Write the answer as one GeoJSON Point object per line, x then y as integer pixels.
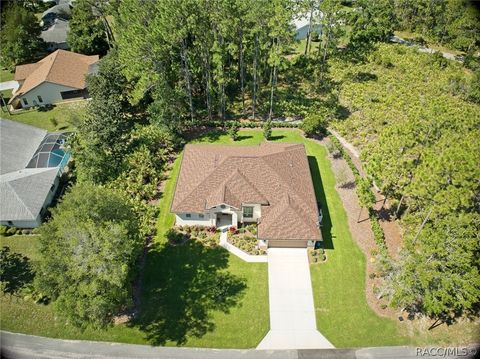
{"type": "Point", "coordinates": [61, 11]}
{"type": "Point", "coordinates": [56, 35]}
{"type": "Point", "coordinates": [31, 162]}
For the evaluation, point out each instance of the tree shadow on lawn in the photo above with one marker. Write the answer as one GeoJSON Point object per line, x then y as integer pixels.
{"type": "Point", "coordinates": [16, 271]}
{"type": "Point", "coordinates": [183, 285]}
{"type": "Point", "coordinates": [320, 194]}
{"type": "Point", "coordinates": [244, 137]}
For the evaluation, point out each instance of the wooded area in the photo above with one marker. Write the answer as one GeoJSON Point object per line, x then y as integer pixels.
{"type": "Point", "coordinates": [174, 68]}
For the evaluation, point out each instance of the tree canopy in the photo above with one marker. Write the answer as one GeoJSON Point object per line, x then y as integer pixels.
{"type": "Point", "coordinates": [87, 33]}
{"type": "Point", "coordinates": [20, 36]}
{"type": "Point", "coordinates": [89, 249]}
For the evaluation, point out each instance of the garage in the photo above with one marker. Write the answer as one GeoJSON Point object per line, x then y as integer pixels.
{"type": "Point", "coordinates": [287, 243]}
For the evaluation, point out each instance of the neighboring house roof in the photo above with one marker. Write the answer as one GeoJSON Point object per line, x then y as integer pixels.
{"type": "Point", "coordinates": [63, 10]}
{"type": "Point", "coordinates": [23, 193]}
{"type": "Point", "coordinates": [60, 67]}
{"type": "Point", "coordinates": [57, 33]}
{"type": "Point", "coordinates": [25, 181]}
{"type": "Point", "coordinates": [18, 143]}
{"type": "Point", "coordinates": [276, 175]}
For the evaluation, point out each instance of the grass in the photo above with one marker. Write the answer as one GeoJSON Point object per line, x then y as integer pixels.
{"type": "Point", "coordinates": [177, 303]}
{"type": "Point", "coordinates": [179, 299]}
{"type": "Point", "coordinates": [6, 75]}
{"type": "Point", "coordinates": [343, 314]}
{"type": "Point", "coordinates": [65, 116]}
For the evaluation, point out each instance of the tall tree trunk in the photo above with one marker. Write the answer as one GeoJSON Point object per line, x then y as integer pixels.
{"type": "Point", "coordinates": [423, 225]}
{"type": "Point", "coordinates": [324, 56]}
{"type": "Point", "coordinates": [399, 206]}
{"type": "Point", "coordinates": [254, 100]}
{"type": "Point", "coordinates": [272, 90]}
{"type": "Point", "coordinates": [207, 79]}
{"type": "Point", "coordinates": [186, 72]}
{"type": "Point", "coordinates": [309, 32]}
{"type": "Point", "coordinates": [242, 72]}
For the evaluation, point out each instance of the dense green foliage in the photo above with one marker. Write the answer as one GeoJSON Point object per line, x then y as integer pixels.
{"type": "Point", "coordinates": [193, 59]}
{"type": "Point", "coordinates": [86, 34]}
{"type": "Point", "coordinates": [20, 36]}
{"type": "Point", "coordinates": [89, 249]}
{"type": "Point", "coordinates": [418, 130]}
{"type": "Point", "coordinates": [455, 23]}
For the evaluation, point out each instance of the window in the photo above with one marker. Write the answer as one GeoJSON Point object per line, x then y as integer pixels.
{"type": "Point", "coordinates": [222, 206]}
{"type": "Point", "coordinates": [201, 215]}
{"type": "Point", "coordinates": [25, 102]}
{"type": "Point", "coordinates": [247, 212]}
{"type": "Point", "coordinates": [188, 215]}
{"type": "Point", "coordinates": [40, 99]}
{"type": "Point", "coordinates": [66, 95]}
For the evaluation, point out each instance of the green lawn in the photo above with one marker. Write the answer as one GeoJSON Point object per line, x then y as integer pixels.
{"type": "Point", "coordinates": [343, 314]}
{"type": "Point", "coordinates": [6, 75]}
{"type": "Point", "coordinates": [64, 115]}
{"type": "Point", "coordinates": [177, 303]}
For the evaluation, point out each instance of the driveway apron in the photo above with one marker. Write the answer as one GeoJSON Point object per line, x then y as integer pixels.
{"type": "Point", "coordinates": [292, 312]}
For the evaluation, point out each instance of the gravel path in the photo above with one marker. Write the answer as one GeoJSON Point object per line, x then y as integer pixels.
{"type": "Point", "coordinates": [361, 231]}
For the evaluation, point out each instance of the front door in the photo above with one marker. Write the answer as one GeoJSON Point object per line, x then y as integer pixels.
{"type": "Point", "coordinates": [224, 219]}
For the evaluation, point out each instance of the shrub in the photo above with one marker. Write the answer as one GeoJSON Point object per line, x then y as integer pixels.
{"type": "Point", "coordinates": [53, 121]}
{"type": "Point", "coordinates": [26, 231]}
{"type": "Point", "coordinates": [3, 230]}
{"type": "Point", "coordinates": [383, 306]}
{"type": "Point", "coordinates": [315, 124]}
{"type": "Point", "coordinates": [11, 231]}
{"type": "Point", "coordinates": [372, 275]}
{"type": "Point", "coordinates": [233, 230]}
{"type": "Point", "coordinates": [267, 129]}
{"type": "Point", "coordinates": [175, 237]}
{"type": "Point", "coordinates": [233, 130]}
{"type": "Point", "coordinates": [212, 229]}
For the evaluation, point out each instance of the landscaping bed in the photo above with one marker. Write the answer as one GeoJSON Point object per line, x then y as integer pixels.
{"type": "Point", "coordinates": [316, 255]}
{"type": "Point", "coordinates": [245, 238]}
{"type": "Point", "coordinates": [208, 236]}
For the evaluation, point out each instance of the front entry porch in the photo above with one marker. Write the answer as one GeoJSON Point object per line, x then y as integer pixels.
{"type": "Point", "coordinates": [224, 220]}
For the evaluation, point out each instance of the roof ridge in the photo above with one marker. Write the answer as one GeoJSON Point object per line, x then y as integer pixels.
{"type": "Point", "coordinates": [20, 199]}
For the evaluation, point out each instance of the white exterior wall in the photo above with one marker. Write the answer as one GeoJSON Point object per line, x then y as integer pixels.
{"type": "Point", "coordinates": [257, 213]}
{"type": "Point", "coordinates": [22, 224]}
{"type": "Point", "coordinates": [195, 220]}
{"type": "Point", "coordinates": [49, 92]}
{"type": "Point", "coordinates": [236, 214]}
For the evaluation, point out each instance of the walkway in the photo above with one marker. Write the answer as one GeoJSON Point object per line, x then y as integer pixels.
{"type": "Point", "coordinates": [9, 85]}
{"type": "Point", "coordinates": [239, 253]}
{"type": "Point", "coordinates": [292, 312]}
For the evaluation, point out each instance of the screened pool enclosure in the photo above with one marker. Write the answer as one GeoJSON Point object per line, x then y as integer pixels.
{"type": "Point", "coordinates": [50, 152]}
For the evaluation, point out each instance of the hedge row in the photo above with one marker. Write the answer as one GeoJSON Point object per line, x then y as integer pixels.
{"type": "Point", "coordinates": [10, 231]}
{"type": "Point", "coordinates": [248, 124]}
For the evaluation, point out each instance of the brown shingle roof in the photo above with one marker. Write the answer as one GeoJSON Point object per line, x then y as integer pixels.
{"type": "Point", "coordinates": [275, 175]}
{"type": "Point", "coordinates": [60, 67]}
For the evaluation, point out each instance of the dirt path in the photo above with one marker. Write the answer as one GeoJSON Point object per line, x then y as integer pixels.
{"type": "Point", "coordinates": [361, 231]}
{"type": "Point", "coordinates": [391, 228]}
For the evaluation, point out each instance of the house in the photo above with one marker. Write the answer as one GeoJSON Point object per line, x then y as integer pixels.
{"type": "Point", "coordinates": [58, 77]}
{"type": "Point", "coordinates": [31, 162]}
{"type": "Point", "coordinates": [269, 184]}
{"type": "Point", "coordinates": [55, 36]}
{"type": "Point", "coordinates": [61, 11]}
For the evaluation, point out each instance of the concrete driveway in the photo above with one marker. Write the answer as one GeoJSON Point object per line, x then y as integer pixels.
{"type": "Point", "coordinates": [292, 312]}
